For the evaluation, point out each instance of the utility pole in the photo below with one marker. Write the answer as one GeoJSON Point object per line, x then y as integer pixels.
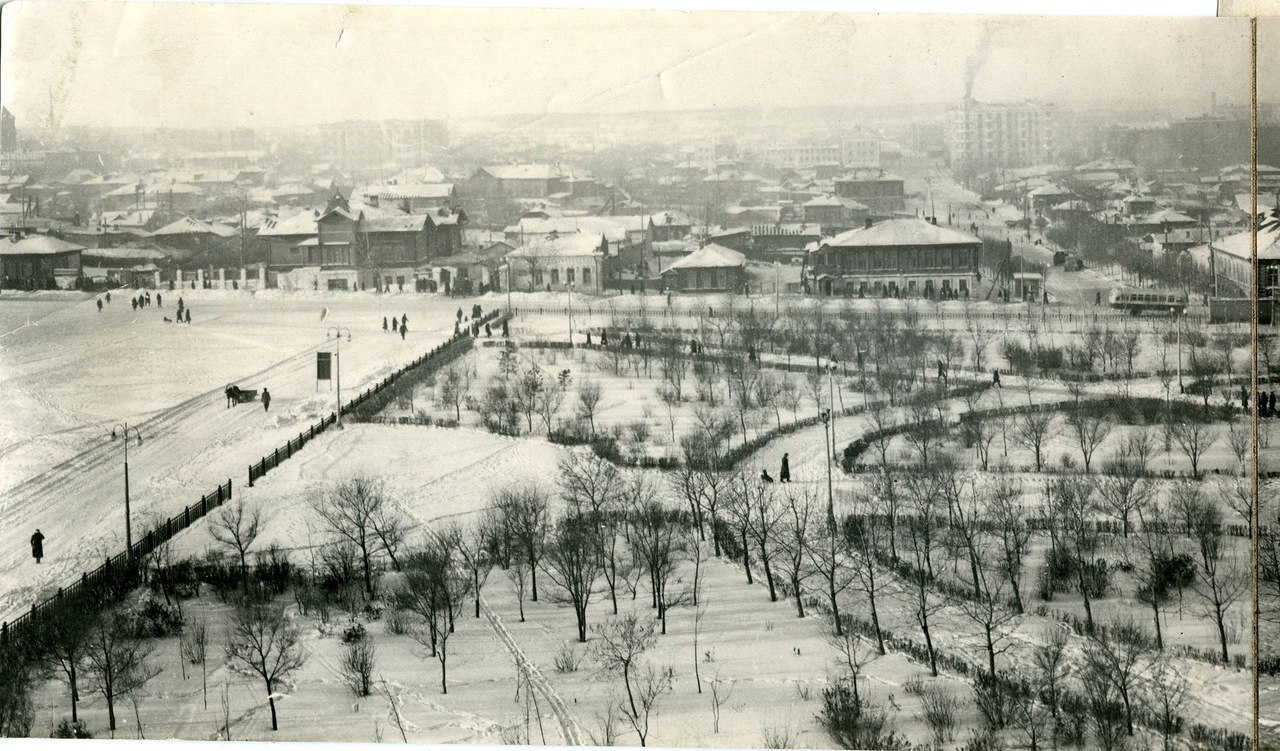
{"type": "Point", "coordinates": [336, 333]}
{"type": "Point", "coordinates": [122, 430]}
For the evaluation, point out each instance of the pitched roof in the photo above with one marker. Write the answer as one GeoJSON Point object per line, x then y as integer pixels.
{"type": "Point", "coordinates": [403, 223]}
{"type": "Point", "coordinates": [36, 245]}
{"type": "Point", "coordinates": [301, 223]}
{"type": "Point", "coordinates": [909, 231]}
{"type": "Point", "coordinates": [188, 226]}
{"type": "Point", "coordinates": [563, 245]}
{"type": "Point", "coordinates": [613, 227]}
{"type": "Point", "coordinates": [409, 190]}
{"type": "Point", "coordinates": [710, 257]}
{"type": "Point", "coordinates": [522, 171]}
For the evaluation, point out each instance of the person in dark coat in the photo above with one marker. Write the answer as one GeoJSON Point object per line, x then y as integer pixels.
{"type": "Point", "coordinates": [384, 323]}
{"type": "Point", "coordinates": [37, 546]}
{"type": "Point", "coordinates": [764, 476]}
{"type": "Point", "coordinates": [995, 378]}
{"type": "Point", "coordinates": [134, 303]}
{"type": "Point", "coordinates": [637, 341]}
{"type": "Point", "coordinates": [784, 474]}
{"type": "Point", "coordinates": [588, 338]}
{"type": "Point", "coordinates": [459, 314]}
{"type": "Point", "coordinates": [404, 320]}
{"type": "Point", "coordinates": [188, 315]}
{"type": "Point", "coordinates": [179, 304]}
{"type": "Point", "coordinates": [404, 329]}
{"type": "Point", "coordinates": [148, 298]}
{"type": "Point", "coordinates": [159, 300]}
{"type": "Point", "coordinates": [99, 305]}
{"type": "Point", "coordinates": [395, 324]}
{"type": "Point", "coordinates": [108, 297]}
{"type": "Point", "coordinates": [604, 338]}
{"type": "Point", "coordinates": [266, 400]}
{"type": "Point", "coordinates": [506, 332]}
{"type": "Point", "coordinates": [457, 327]}
{"type": "Point", "coordinates": [488, 331]}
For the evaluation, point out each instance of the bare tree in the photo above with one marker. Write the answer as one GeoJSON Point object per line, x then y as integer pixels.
{"type": "Point", "coordinates": [1118, 653]}
{"type": "Point", "coordinates": [455, 386]}
{"type": "Point", "coordinates": [236, 525]}
{"type": "Point", "coordinates": [1167, 695]}
{"type": "Point", "coordinates": [1194, 438]}
{"type": "Point", "coordinates": [1222, 579]}
{"type": "Point", "coordinates": [573, 563]}
{"type": "Point", "coordinates": [1035, 430]}
{"type": "Point", "coordinates": [796, 525]}
{"type": "Point", "coordinates": [359, 511]}
{"type": "Point", "coordinates": [434, 588]}
{"type": "Point", "coordinates": [524, 509]}
{"type": "Point", "coordinates": [475, 549]}
{"type": "Point", "coordinates": [1123, 490]}
{"type": "Point", "coordinates": [1008, 517]}
{"type": "Point", "coordinates": [622, 643]}
{"type": "Point", "coordinates": [195, 650]}
{"type": "Point", "coordinates": [1090, 427]}
{"type": "Point", "coordinates": [264, 640]}
{"type": "Point", "coordinates": [67, 640]}
{"type": "Point", "coordinates": [655, 533]}
{"type": "Point", "coordinates": [1070, 506]}
{"type": "Point", "coordinates": [356, 665]}
{"type": "Point", "coordinates": [117, 660]}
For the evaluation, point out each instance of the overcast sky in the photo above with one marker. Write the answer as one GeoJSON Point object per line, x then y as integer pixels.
{"type": "Point", "coordinates": [265, 65]}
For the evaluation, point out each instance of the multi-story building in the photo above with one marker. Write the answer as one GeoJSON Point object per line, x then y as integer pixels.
{"type": "Point", "coordinates": [881, 193]}
{"type": "Point", "coordinates": [896, 258]}
{"type": "Point", "coordinates": [982, 137]}
{"type": "Point", "coordinates": [356, 144]}
{"type": "Point", "coordinates": [847, 152]}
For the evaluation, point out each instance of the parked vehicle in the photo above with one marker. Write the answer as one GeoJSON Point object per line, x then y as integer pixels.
{"type": "Point", "coordinates": [1149, 300]}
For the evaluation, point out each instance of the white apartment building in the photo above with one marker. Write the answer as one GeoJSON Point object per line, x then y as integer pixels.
{"type": "Point", "coordinates": [984, 136]}
{"type": "Point", "coordinates": [848, 152]}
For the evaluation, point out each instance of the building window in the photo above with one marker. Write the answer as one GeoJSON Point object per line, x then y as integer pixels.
{"type": "Point", "coordinates": [537, 278]}
{"type": "Point", "coordinates": [555, 276]}
{"type": "Point", "coordinates": [586, 276]}
{"type": "Point", "coordinates": [568, 275]}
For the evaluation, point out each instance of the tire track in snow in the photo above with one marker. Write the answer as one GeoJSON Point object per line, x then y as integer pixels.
{"type": "Point", "coordinates": [568, 723]}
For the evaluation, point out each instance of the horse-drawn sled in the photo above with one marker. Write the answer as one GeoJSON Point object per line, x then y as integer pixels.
{"type": "Point", "coordinates": [237, 395]}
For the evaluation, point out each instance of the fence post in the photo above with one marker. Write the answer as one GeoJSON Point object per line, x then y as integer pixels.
{"type": "Point", "coordinates": [251, 475]}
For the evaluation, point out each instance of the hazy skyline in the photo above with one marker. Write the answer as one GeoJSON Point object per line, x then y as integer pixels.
{"type": "Point", "coordinates": [263, 66]}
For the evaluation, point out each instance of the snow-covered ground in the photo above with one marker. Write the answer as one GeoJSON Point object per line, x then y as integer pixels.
{"type": "Point", "coordinates": [69, 373]}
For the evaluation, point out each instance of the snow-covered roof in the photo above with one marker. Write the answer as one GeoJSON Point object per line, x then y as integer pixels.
{"type": "Point", "coordinates": [409, 190]}
{"type": "Point", "coordinates": [301, 223]}
{"type": "Point", "coordinates": [561, 246]}
{"type": "Point", "coordinates": [405, 223]}
{"type": "Point", "coordinates": [36, 245]}
{"type": "Point", "coordinates": [710, 257]}
{"type": "Point", "coordinates": [188, 226]}
{"type": "Point", "coordinates": [909, 231]}
{"type": "Point", "coordinates": [522, 171]}
{"type": "Point", "coordinates": [615, 228]}
{"type": "Point", "coordinates": [126, 251]}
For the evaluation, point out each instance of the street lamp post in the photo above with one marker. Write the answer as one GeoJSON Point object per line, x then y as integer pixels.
{"type": "Point", "coordinates": [828, 418]}
{"type": "Point", "coordinates": [336, 333]}
{"type": "Point", "coordinates": [122, 430]}
{"type": "Point", "coordinates": [569, 296]}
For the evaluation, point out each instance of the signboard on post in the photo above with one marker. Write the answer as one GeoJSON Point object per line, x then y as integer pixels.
{"type": "Point", "coordinates": [324, 366]}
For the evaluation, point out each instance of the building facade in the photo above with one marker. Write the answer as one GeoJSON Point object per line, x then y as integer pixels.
{"type": "Point", "coordinates": [983, 137]}
{"type": "Point", "coordinates": [896, 258]}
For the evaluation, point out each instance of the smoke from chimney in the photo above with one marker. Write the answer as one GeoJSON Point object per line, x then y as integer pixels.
{"type": "Point", "coordinates": [977, 59]}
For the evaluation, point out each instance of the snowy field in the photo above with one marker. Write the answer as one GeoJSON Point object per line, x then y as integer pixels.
{"type": "Point", "coordinates": [68, 374]}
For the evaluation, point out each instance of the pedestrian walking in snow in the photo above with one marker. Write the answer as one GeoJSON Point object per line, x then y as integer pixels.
{"type": "Point", "coordinates": [134, 302]}
{"type": "Point", "coordinates": [108, 297]}
{"type": "Point", "coordinates": [459, 314]}
{"type": "Point", "coordinates": [384, 323]}
{"type": "Point", "coordinates": [99, 305]}
{"type": "Point", "coordinates": [505, 331]}
{"type": "Point", "coordinates": [37, 546]}
{"type": "Point", "coordinates": [488, 332]}
{"type": "Point", "coordinates": [188, 315]}
{"type": "Point", "coordinates": [266, 400]}
{"type": "Point", "coordinates": [588, 338]}
{"type": "Point", "coordinates": [148, 298]}
{"type": "Point", "coordinates": [764, 477]}
{"type": "Point", "coordinates": [995, 378]}
{"type": "Point", "coordinates": [457, 327]}
{"type": "Point", "coordinates": [404, 320]}
{"type": "Point", "coordinates": [395, 325]}
{"type": "Point", "coordinates": [159, 300]}
{"type": "Point", "coordinates": [404, 329]}
{"type": "Point", "coordinates": [604, 337]}
{"type": "Point", "coordinates": [784, 474]}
